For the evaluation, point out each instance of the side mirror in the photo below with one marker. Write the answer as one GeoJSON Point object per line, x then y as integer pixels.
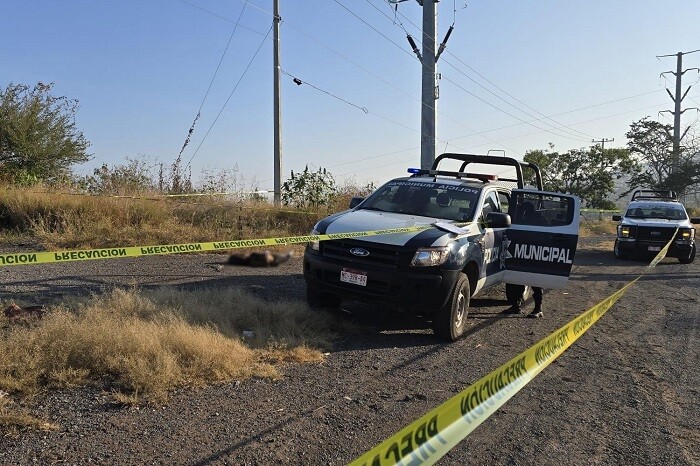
{"type": "Point", "coordinates": [497, 220]}
{"type": "Point", "coordinates": [617, 218]}
{"type": "Point", "coordinates": [355, 201]}
{"type": "Point", "coordinates": [695, 220]}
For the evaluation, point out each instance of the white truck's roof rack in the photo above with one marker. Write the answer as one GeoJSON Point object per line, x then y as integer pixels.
{"type": "Point", "coordinates": [466, 159]}
{"type": "Point", "coordinates": [654, 194]}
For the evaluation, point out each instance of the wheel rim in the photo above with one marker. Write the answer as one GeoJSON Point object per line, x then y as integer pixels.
{"type": "Point", "coordinates": [461, 310]}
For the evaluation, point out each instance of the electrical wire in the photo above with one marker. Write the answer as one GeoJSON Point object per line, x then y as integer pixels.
{"type": "Point", "coordinates": [229, 96]}
{"type": "Point", "coordinates": [564, 128]}
{"type": "Point", "coordinates": [222, 17]}
{"type": "Point", "coordinates": [406, 93]}
{"type": "Point", "coordinates": [407, 52]}
{"type": "Point", "coordinates": [299, 82]}
{"type": "Point", "coordinates": [450, 140]}
{"type": "Point", "coordinates": [567, 134]}
{"type": "Point", "coordinates": [206, 94]}
{"type": "Point", "coordinates": [364, 109]}
{"type": "Point", "coordinates": [516, 137]}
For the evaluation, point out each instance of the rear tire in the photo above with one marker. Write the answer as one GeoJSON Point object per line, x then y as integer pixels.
{"type": "Point", "coordinates": [319, 300]}
{"type": "Point", "coordinates": [690, 258]}
{"type": "Point", "coordinates": [618, 253]}
{"type": "Point", "coordinates": [450, 322]}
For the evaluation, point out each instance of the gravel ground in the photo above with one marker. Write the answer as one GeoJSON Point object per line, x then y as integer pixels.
{"type": "Point", "coordinates": [625, 393]}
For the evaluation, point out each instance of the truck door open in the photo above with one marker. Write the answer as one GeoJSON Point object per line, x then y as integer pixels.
{"type": "Point", "coordinates": [541, 243]}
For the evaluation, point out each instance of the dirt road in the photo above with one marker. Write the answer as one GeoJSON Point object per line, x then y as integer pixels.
{"type": "Point", "coordinates": [627, 392]}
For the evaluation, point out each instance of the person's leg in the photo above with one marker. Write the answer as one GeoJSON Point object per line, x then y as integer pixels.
{"type": "Point", "coordinates": [537, 297]}
{"type": "Point", "coordinates": [516, 304]}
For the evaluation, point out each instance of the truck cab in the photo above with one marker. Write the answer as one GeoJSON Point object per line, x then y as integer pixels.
{"type": "Point", "coordinates": [480, 230]}
{"type": "Point", "coordinates": [652, 219]}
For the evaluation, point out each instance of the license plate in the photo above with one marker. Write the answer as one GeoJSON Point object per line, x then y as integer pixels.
{"type": "Point", "coordinates": [356, 277]}
{"type": "Point", "coordinates": [654, 248]}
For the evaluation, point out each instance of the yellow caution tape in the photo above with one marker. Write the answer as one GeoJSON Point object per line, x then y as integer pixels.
{"type": "Point", "coordinates": [601, 210]}
{"type": "Point", "coordinates": [430, 437]}
{"type": "Point", "coordinates": [25, 258]}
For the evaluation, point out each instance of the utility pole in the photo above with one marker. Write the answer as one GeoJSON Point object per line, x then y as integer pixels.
{"type": "Point", "coordinates": [277, 110]}
{"type": "Point", "coordinates": [430, 91]}
{"type": "Point", "coordinates": [677, 112]}
{"type": "Point", "coordinates": [602, 142]}
{"type": "Point", "coordinates": [429, 88]}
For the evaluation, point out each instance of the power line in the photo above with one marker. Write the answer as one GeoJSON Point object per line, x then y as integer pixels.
{"type": "Point", "coordinates": [559, 114]}
{"type": "Point", "coordinates": [404, 92]}
{"type": "Point", "coordinates": [510, 114]}
{"type": "Point", "coordinates": [465, 90]}
{"type": "Point", "coordinates": [222, 17]}
{"type": "Point", "coordinates": [206, 94]}
{"type": "Point", "coordinates": [405, 51]}
{"type": "Point", "coordinates": [514, 137]}
{"type": "Point", "coordinates": [230, 95]}
{"type": "Point", "coordinates": [299, 82]}
{"type": "Point", "coordinates": [564, 128]}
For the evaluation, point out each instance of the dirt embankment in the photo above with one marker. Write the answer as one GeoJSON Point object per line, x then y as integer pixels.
{"type": "Point", "coordinates": [625, 393]}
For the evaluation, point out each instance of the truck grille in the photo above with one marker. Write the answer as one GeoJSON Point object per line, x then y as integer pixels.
{"type": "Point", "coordinates": [380, 255]}
{"type": "Point", "coordinates": [654, 233]}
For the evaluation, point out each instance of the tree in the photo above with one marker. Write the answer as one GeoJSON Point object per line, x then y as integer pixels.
{"type": "Point", "coordinates": [309, 189]}
{"type": "Point", "coordinates": [651, 143]}
{"type": "Point", "coordinates": [39, 140]}
{"type": "Point", "coordinates": [588, 173]}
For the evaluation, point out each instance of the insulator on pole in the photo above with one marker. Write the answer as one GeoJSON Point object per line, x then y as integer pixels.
{"type": "Point", "coordinates": [444, 43]}
{"type": "Point", "coordinates": [414, 46]}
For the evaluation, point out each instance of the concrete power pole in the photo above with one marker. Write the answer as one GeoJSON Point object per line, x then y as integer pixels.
{"type": "Point", "coordinates": [602, 142]}
{"type": "Point", "coordinates": [277, 110]}
{"type": "Point", "coordinates": [430, 90]}
{"type": "Point", "coordinates": [429, 93]}
{"type": "Point", "coordinates": [677, 112]}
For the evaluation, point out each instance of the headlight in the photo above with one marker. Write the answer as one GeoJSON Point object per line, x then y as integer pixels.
{"type": "Point", "coordinates": [428, 257]}
{"type": "Point", "coordinates": [314, 244]}
{"type": "Point", "coordinates": [686, 234]}
{"type": "Point", "coordinates": [623, 231]}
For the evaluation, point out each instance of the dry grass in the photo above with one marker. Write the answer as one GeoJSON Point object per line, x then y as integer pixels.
{"type": "Point", "coordinates": [597, 227]}
{"type": "Point", "coordinates": [141, 345]}
{"type": "Point", "coordinates": [59, 220]}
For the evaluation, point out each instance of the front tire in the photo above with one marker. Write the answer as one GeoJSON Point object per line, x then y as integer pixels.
{"type": "Point", "coordinates": [690, 258]}
{"type": "Point", "coordinates": [618, 253]}
{"type": "Point", "coordinates": [451, 321]}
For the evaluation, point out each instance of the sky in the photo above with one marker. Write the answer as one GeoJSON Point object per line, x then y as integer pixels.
{"type": "Point", "coordinates": [517, 75]}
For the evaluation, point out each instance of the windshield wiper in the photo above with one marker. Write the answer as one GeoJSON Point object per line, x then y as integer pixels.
{"type": "Point", "coordinates": [373, 208]}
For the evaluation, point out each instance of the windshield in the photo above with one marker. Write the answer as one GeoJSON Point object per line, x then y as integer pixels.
{"type": "Point", "coordinates": [670, 213]}
{"type": "Point", "coordinates": [449, 202]}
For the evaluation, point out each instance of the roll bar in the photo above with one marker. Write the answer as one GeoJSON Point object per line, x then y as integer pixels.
{"type": "Point", "coordinates": [466, 159]}
{"type": "Point", "coordinates": [655, 194]}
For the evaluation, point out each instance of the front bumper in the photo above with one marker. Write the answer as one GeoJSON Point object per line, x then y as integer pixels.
{"type": "Point", "coordinates": [420, 289]}
{"type": "Point", "coordinates": [678, 249]}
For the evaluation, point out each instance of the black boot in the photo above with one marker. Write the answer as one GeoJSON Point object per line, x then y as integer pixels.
{"type": "Point", "coordinates": [515, 308]}
{"type": "Point", "coordinates": [537, 311]}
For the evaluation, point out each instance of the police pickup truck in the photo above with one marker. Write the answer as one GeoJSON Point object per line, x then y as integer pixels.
{"type": "Point", "coordinates": [480, 232]}
{"type": "Point", "coordinates": [651, 219]}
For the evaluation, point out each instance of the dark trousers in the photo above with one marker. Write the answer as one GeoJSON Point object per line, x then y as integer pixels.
{"type": "Point", "coordinates": [536, 294]}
